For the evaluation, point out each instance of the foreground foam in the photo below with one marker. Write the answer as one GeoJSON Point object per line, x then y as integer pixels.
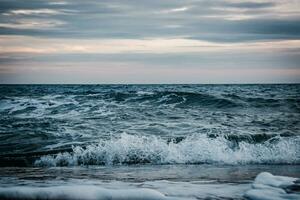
{"type": "Point", "coordinates": [265, 187]}
{"type": "Point", "coordinates": [79, 192]}
{"type": "Point", "coordinates": [196, 149]}
{"type": "Point", "coordinates": [152, 190]}
{"type": "Point", "coordinates": [269, 187]}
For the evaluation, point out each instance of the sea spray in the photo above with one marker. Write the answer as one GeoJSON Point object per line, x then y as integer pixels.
{"type": "Point", "coordinates": [195, 149]}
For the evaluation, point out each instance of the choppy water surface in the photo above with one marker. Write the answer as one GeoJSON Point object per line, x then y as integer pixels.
{"type": "Point", "coordinates": [45, 126]}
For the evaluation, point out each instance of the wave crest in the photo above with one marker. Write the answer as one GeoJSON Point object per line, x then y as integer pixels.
{"type": "Point", "coordinates": [196, 149]}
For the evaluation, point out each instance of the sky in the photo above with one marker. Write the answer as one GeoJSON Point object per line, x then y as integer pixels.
{"type": "Point", "coordinates": [149, 41]}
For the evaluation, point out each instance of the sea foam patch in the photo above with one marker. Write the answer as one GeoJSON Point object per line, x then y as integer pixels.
{"type": "Point", "coordinates": [116, 190]}
{"type": "Point", "coordinates": [79, 192]}
{"type": "Point", "coordinates": [269, 187]}
{"type": "Point", "coordinates": [264, 187]}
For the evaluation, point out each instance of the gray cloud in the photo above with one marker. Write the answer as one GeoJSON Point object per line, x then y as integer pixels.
{"type": "Point", "coordinates": [142, 19]}
{"type": "Point", "coordinates": [216, 21]}
{"type": "Point", "coordinates": [250, 5]}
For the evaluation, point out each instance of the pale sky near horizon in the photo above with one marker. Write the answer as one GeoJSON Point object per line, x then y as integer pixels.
{"type": "Point", "coordinates": [157, 41]}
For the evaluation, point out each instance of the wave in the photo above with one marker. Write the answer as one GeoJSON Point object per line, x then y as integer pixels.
{"type": "Point", "coordinates": [197, 98]}
{"type": "Point", "coordinates": [194, 99]}
{"type": "Point", "coordinates": [54, 104]}
{"type": "Point", "coordinates": [177, 98]}
{"type": "Point", "coordinates": [181, 99]}
{"type": "Point", "coordinates": [195, 149]}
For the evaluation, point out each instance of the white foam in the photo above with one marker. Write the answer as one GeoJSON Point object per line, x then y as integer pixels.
{"type": "Point", "coordinates": [269, 187]}
{"type": "Point", "coordinates": [128, 149]}
{"type": "Point", "coordinates": [144, 93]}
{"type": "Point", "coordinates": [199, 189]}
{"type": "Point", "coordinates": [152, 190]}
{"type": "Point", "coordinates": [79, 192]}
{"type": "Point", "coordinates": [265, 187]}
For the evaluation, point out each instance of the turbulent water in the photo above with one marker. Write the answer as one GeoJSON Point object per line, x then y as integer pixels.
{"type": "Point", "coordinates": [43, 126]}
{"type": "Point", "coordinates": [56, 125]}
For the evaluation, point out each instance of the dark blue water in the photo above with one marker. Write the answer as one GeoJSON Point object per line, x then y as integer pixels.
{"type": "Point", "coordinates": [69, 125]}
{"type": "Point", "coordinates": [149, 141]}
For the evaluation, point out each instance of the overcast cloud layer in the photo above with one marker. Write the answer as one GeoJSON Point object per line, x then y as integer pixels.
{"type": "Point", "coordinates": [157, 41]}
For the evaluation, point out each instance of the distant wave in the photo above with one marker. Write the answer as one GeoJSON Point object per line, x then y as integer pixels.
{"type": "Point", "coordinates": [180, 99]}
{"type": "Point", "coordinates": [132, 149]}
{"type": "Point", "coordinates": [169, 97]}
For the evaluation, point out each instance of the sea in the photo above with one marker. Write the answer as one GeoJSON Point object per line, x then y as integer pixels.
{"type": "Point", "coordinates": [163, 141]}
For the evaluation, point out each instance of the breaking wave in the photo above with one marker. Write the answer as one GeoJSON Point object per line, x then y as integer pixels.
{"type": "Point", "coordinates": [196, 149]}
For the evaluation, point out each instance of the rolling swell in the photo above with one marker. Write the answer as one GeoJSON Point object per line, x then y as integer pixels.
{"type": "Point", "coordinates": [40, 123]}
{"type": "Point", "coordinates": [132, 149]}
{"type": "Point", "coordinates": [197, 99]}
{"type": "Point", "coordinates": [180, 99]}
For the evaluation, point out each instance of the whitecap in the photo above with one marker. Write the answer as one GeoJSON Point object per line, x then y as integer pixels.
{"type": "Point", "coordinates": [196, 149]}
{"type": "Point", "coordinates": [269, 187]}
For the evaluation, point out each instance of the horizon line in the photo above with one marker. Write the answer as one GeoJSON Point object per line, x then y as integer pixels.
{"type": "Point", "coordinates": [279, 83]}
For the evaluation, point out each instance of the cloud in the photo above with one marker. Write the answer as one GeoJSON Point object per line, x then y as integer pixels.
{"type": "Point", "coordinates": [40, 24]}
{"type": "Point", "coordinates": [18, 44]}
{"type": "Point", "coordinates": [58, 3]}
{"type": "Point", "coordinates": [171, 34]}
{"type": "Point", "coordinates": [33, 12]}
{"type": "Point", "coordinates": [250, 4]}
{"type": "Point", "coordinates": [213, 20]}
{"type": "Point", "coordinates": [175, 10]}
